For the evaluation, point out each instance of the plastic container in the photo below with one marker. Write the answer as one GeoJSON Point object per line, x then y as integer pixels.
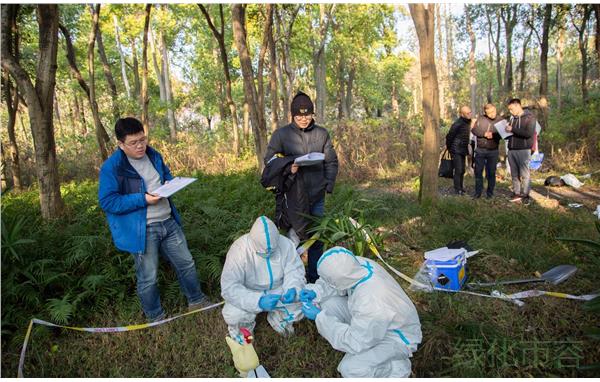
{"type": "Point", "coordinates": [447, 268]}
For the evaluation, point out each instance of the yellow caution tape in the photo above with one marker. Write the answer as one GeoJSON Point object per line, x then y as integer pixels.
{"type": "Point", "coordinates": [115, 329]}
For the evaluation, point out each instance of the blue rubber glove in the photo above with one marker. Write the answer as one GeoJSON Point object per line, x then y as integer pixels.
{"type": "Point", "coordinates": [310, 311]}
{"type": "Point", "coordinates": [289, 296]}
{"type": "Point", "coordinates": [307, 295]}
{"type": "Point", "coordinates": [268, 302]}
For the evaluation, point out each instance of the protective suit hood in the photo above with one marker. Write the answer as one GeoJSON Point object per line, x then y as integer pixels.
{"type": "Point", "coordinates": [264, 237]}
{"type": "Point", "coordinates": [341, 269]}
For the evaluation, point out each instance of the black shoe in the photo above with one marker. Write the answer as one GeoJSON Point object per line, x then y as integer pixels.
{"type": "Point", "coordinates": [526, 200]}
{"type": "Point", "coordinates": [488, 196]}
{"type": "Point", "coordinates": [477, 196]}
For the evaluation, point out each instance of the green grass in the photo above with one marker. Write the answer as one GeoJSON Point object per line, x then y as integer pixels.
{"type": "Point", "coordinates": [462, 335]}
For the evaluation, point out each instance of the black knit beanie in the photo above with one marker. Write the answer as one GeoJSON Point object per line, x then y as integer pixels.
{"type": "Point", "coordinates": [302, 105]}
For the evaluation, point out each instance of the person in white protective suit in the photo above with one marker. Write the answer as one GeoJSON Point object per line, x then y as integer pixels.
{"type": "Point", "coordinates": [364, 313]}
{"type": "Point", "coordinates": [262, 273]}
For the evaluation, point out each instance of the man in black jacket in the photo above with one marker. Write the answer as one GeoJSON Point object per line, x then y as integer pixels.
{"type": "Point", "coordinates": [457, 143]}
{"type": "Point", "coordinates": [486, 151]}
{"type": "Point", "coordinates": [522, 126]}
{"type": "Point", "coordinates": [301, 137]}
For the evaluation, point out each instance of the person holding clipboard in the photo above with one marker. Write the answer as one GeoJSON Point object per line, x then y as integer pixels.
{"type": "Point", "coordinates": [486, 151]}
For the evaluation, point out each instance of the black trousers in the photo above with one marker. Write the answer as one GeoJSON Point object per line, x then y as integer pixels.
{"type": "Point", "coordinates": [487, 159]}
{"type": "Point", "coordinates": [458, 162]}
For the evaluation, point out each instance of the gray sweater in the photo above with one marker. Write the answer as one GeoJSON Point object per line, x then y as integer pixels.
{"type": "Point", "coordinates": [161, 210]}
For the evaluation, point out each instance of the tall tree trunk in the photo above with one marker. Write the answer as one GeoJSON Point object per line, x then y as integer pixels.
{"type": "Point", "coordinates": [12, 106]}
{"type": "Point", "coordinates": [319, 64]}
{"type": "Point", "coordinates": [523, 63]}
{"type": "Point", "coordinates": [492, 10]}
{"type": "Point", "coordinates": [597, 40]}
{"type": "Point", "coordinates": [12, 99]}
{"type": "Point", "coordinates": [342, 112]}
{"type": "Point", "coordinates": [395, 104]}
{"type": "Point", "coordinates": [490, 80]}
{"type": "Point", "coordinates": [168, 89]}
{"type": "Point", "coordinates": [472, 68]}
{"type": "Point", "coordinates": [122, 57]}
{"type": "Point", "coordinates": [101, 134]}
{"type": "Point", "coordinates": [261, 57]}
{"type": "Point", "coordinates": [246, 128]}
{"type": "Point", "coordinates": [136, 70]}
{"type": "Point", "coordinates": [108, 75]}
{"type": "Point", "coordinates": [256, 115]}
{"type": "Point", "coordinates": [285, 64]}
{"type": "Point", "coordinates": [220, 37]}
{"type": "Point", "coordinates": [440, 67]}
{"type": "Point", "coordinates": [57, 116]}
{"type": "Point", "coordinates": [423, 18]}
{"type": "Point", "coordinates": [449, 53]}
{"type": "Point", "coordinates": [543, 100]}
{"type": "Point", "coordinates": [40, 100]}
{"type": "Point", "coordinates": [559, 63]}
{"type": "Point", "coordinates": [509, 17]}
{"type": "Point", "coordinates": [144, 93]}
{"type": "Point", "coordinates": [79, 114]}
{"type": "Point", "coordinates": [582, 42]}
{"type": "Point", "coordinates": [159, 75]}
{"type": "Point", "coordinates": [349, 86]}
{"type": "Point", "coordinates": [273, 76]}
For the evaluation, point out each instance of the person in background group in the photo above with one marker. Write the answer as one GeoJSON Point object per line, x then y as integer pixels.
{"type": "Point", "coordinates": [522, 126]}
{"type": "Point", "coordinates": [486, 151]}
{"type": "Point", "coordinates": [145, 224]}
{"type": "Point", "coordinates": [301, 137]}
{"type": "Point", "coordinates": [457, 143]}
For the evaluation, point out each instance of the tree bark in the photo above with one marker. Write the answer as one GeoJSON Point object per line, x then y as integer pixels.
{"type": "Point", "coordinates": [495, 41]}
{"type": "Point", "coordinates": [559, 62]}
{"type": "Point", "coordinates": [12, 100]}
{"type": "Point", "coordinates": [508, 14]}
{"type": "Point", "coordinates": [159, 74]}
{"type": "Point", "coordinates": [523, 63]}
{"type": "Point", "coordinates": [40, 98]}
{"type": "Point", "coordinates": [261, 57]}
{"type": "Point", "coordinates": [349, 86]}
{"type": "Point", "coordinates": [273, 76]}
{"type": "Point", "coordinates": [144, 93]}
{"type": "Point", "coordinates": [122, 57]}
{"type": "Point", "coordinates": [136, 70]}
{"type": "Point", "coordinates": [319, 63]}
{"type": "Point", "coordinates": [246, 128]}
{"type": "Point", "coordinates": [256, 115]}
{"type": "Point", "coordinates": [220, 37]}
{"type": "Point", "coordinates": [543, 99]}
{"type": "Point", "coordinates": [440, 58]}
{"type": "Point", "coordinates": [168, 89]}
{"type": "Point", "coordinates": [285, 64]}
{"type": "Point", "coordinates": [597, 40]}
{"type": "Point", "coordinates": [423, 18]}
{"type": "Point", "coordinates": [342, 112]}
{"type": "Point", "coordinates": [108, 75]}
{"type": "Point", "coordinates": [101, 134]}
{"type": "Point", "coordinates": [472, 68]}
{"type": "Point", "coordinates": [449, 52]}
{"type": "Point", "coordinates": [582, 42]}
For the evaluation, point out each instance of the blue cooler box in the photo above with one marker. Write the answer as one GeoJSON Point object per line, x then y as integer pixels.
{"type": "Point", "coordinates": [449, 274]}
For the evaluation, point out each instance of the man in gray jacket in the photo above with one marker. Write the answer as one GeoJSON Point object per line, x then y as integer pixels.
{"type": "Point", "coordinates": [486, 151]}
{"type": "Point", "coordinates": [301, 137]}
{"type": "Point", "coordinates": [522, 125]}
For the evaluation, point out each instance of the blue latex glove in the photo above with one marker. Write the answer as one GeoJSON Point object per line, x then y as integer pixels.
{"type": "Point", "coordinates": [268, 302]}
{"type": "Point", "coordinates": [310, 311]}
{"type": "Point", "coordinates": [289, 296]}
{"type": "Point", "coordinates": [307, 295]}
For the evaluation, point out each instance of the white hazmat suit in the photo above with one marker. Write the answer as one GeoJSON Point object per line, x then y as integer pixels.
{"type": "Point", "coordinates": [259, 263]}
{"type": "Point", "coordinates": [366, 314]}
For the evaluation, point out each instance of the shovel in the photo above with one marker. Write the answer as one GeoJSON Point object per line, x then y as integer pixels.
{"type": "Point", "coordinates": [554, 276]}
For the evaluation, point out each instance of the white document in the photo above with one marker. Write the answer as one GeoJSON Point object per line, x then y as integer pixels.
{"type": "Point", "coordinates": [173, 186]}
{"type": "Point", "coordinates": [501, 128]}
{"type": "Point", "coordinates": [310, 159]}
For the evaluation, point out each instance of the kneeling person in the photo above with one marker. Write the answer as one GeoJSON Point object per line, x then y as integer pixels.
{"type": "Point", "coordinates": [365, 313]}
{"type": "Point", "coordinates": [262, 273]}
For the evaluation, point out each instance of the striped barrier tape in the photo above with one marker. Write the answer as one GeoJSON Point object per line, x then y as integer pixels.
{"type": "Point", "coordinates": [115, 329]}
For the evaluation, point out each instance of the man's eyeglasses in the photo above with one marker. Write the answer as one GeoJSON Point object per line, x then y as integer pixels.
{"type": "Point", "coordinates": [141, 142]}
{"type": "Point", "coordinates": [308, 116]}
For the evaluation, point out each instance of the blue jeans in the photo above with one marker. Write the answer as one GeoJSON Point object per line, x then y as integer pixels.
{"type": "Point", "coordinates": [165, 238]}
{"type": "Point", "coordinates": [316, 250]}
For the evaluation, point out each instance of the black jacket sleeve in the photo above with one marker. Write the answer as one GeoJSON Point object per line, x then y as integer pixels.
{"type": "Point", "coordinates": [452, 134]}
{"type": "Point", "coordinates": [330, 164]}
{"type": "Point", "coordinates": [526, 128]}
{"type": "Point", "coordinates": [274, 146]}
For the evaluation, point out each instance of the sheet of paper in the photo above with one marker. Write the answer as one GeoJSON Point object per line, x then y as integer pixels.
{"type": "Point", "coordinates": [310, 159]}
{"type": "Point", "coordinates": [173, 186]}
{"type": "Point", "coordinates": [501, 128]}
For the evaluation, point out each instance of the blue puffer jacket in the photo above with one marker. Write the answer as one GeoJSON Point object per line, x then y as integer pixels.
{"type": "Point", "coordinates": [121, 194]}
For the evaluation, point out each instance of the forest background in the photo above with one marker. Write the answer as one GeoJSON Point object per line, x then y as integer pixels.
{"type": "Point", "coordinates": [211, 83]}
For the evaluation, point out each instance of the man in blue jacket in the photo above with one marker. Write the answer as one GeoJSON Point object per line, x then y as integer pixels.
{"type": "Point", "coordinates": [144, 224]}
